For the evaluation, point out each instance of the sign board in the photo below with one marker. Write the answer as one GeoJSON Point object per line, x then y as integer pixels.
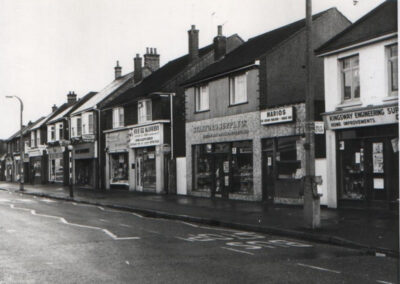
{"type": "Point", "coordinates": [144, 136]}
{"type": "Point", "coordinates": [117, 141]}
{"type": "Point", "coordinates": [319, 127]}
{"type": "Point", "coordinates": [276, 115]}
{"type": "Point", "coordinates": [361, 118]}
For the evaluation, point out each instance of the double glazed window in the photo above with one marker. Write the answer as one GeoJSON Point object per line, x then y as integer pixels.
{"type": "Point", "coordinates": [393, 70]}
{"type": "Point", "coordinates": [118, 117]}
{"type": "Point", "coordinates": [350, 78]}
{"type": "Point", "coordinates": [202, 98]}
{"type": "Point", "coordinates": [144, 111]}
{"type": "Point", "coordinates": [238, 89]}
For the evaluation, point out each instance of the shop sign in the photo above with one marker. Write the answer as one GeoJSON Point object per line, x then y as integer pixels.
{"type": "Point", "coordinates": [88, 137]}
{"type": "Point", "coordinates": [362, 118]}
{"type": "Point", "coordinates": [145, 136]}
{"type": "Point", "coordinates": [231, 128]}
{"type": "Point", "coordinates": [117, 141]}
{"type": "Point", "coordinates": [276, 115]}
{"type": "Point", "coordinates": [319, 127]}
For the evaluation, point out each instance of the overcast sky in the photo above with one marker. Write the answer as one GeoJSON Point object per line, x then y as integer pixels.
{"type": "Point", "coordinates": [48, 47]}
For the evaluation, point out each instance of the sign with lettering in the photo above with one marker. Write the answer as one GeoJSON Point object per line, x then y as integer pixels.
{"type": "Point", "coordinates": [117, 141]}
{"type": "Point", "coordinates": [144, 136]}
{"type": "Point", "coordinates": [230, 128]}
{"type": "Point", "coordinates": [362, 118]}
{"type": "Point", "coordinates": [276, 115]}
{"type": "Point", "coordinates": [319, 127]}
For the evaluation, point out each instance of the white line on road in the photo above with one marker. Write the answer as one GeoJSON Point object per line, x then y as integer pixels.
{"type": "Point", "coordinates": [383, 282]}
{"type": "Point", "coordinates": [318, 268]}
{"type": "Point", "coordinates": [107, 232]}
{"type": "Point", "coordinates": [236, 250]}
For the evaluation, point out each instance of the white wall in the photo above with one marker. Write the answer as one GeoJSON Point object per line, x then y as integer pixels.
{"type": "Point", "coordinates": [181, 176]}
{"type": "Point", "coordinates": [320, 170]}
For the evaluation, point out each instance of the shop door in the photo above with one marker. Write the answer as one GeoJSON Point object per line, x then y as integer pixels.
{"type": "Point", "coordinates": [268, 176]}
{"type": "Point", "coordinates": [139, 173]}
{"type": "Point", "coordinates": [222, 175]}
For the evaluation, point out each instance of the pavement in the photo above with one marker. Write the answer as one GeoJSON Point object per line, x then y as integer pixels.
{"type": "Point", "coordinates": [44, 240]}
{"type": "Point", "coordinates": [374, 231]}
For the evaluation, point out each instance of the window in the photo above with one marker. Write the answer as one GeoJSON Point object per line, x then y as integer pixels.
{"type": "Point", "coordinates": [287, 161]}
{"type": "Point", "coordinates": [38, 137]}
{"type": "Point", "coordinates": [118, 117]}
{"type": "Point", "coordinates": [238, 89]}
{"type": "Point", "coordinates": [79, 126]}
{"type": "Point", "coordinates": [60, 131]}
{"type": "Point", "coordinates": [52, 133]}
{"type": "Point", "coordinates": [144, 111]}
{"type": "Point", "coordinates": [33, 140]}
{"type": "Point", "coordinates": [393, 70]}
{"type": "Point", "coordinates": [350, 78]}
{"type": "Point", "coordinates": [90, 122]}
{"type": "Point", "coordinates": [202, 98]}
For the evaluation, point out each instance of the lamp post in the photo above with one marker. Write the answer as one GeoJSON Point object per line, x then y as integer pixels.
{"type": "Point", "coordinates": [71, 189]}
{"type": "Point", "coordinates": [21, 169]}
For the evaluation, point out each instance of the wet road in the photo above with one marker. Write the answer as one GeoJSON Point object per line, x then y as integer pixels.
{"type": "Point", "coordinates": [49, 241]}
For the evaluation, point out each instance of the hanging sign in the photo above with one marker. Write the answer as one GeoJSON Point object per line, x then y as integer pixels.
{"type": "Point", "coordinates": [319, 127]}
{"type": "Point", "coordinates": [144, 136]}
{"type": "Point", "coordinates": [276, 115]}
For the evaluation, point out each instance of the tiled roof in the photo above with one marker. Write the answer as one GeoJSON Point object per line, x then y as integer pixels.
{"type": "Point", "coordinates": [379, 22]}
{"type": "Point", "coordinates": [155, 81]}
{"type": "Point", "coordinates": [100, 96]}
{"type": "Point", "coordinates": [251, 50]}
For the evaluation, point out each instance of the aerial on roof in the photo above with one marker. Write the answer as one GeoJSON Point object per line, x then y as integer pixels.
{"type": "Point", "coordinates": [104, 93]}
{"type": "Point", "coordinates": [379, 22]}
{"type": "Point", "coordinates": [251, 50]}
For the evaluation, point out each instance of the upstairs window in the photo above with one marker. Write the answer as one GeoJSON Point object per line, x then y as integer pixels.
{"type": "Point", "coordinates": [38, 137]}
{"type": "Point", "coordinates": [33, 140]}
{"type": "Point", "coordinates": [238, 89]}
{"type": "Point", "coordinates": [350, 78]}
{"type": "Point", "coordinates": [52, 133]}
{"type": "Point", "coordinates": [78, 126]}
{"type": "Point", "coordinates": [202, 98]}
{"type": "Point", "coordinates": [393, 70]}
{"type": "Point", "coordinates": [90, 123]}
{"type": "Point", "coordinates": [118, 117]}
{"type": "Point", "coordinates": [144, 111]}
{"type": "Point", "coordinates": [61, 131]}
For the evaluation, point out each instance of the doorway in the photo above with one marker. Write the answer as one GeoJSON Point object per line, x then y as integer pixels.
{"type": "Point", "coordinates": [222, 175]}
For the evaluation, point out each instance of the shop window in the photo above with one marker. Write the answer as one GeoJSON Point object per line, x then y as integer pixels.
{"type": "Point", "coordinates": [118, 117]}
{"type": "Point", "coordinates": [144, 111]}
{"type": "Point", "coordinates": [242, 167]}
{"type": "Point", "coordinates": [202, 98]}
{"type": "Point", "coordinates": [350, 78]}
{"type": "Point", "coordinates": [288, 164]}
{"type": "Point", "coordinates": [393, 70]}
{"type": "Point", "coordinates": [238, 89]}
{"type": "Point", "coordinates": [146, 161]}
{"type": "Point", "coordinates": [202, 167]}
{"type": "Point", "coordinates": [119, 168]}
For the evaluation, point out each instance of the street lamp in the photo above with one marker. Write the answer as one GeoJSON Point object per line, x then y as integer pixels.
{"type": "Point", "coordinates": [21, 170]}
{"type": "Point", "coordinates": [71, 189]}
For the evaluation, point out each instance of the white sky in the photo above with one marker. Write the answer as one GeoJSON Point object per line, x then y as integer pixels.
{"type": "Point", "coordinates": [48, 47]}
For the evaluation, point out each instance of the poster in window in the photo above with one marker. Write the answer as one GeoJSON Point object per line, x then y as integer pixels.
{"type": "Point", "coordinates": [226, 167]}
{"type": "Point", "coordinates": [226, 180]}
{"type": "Point", "coordinates": [377, 157]}
{"type": "Point", "coordinates": [378, 183]}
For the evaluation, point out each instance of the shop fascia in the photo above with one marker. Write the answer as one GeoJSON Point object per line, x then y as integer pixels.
{"type": "Point", "coordinates": [37, 151]}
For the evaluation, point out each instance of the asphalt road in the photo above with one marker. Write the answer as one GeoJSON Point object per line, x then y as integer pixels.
{"type": "Point", "coordinates": [49, 241]}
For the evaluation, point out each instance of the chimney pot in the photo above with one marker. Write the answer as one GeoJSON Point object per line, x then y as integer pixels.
{"type": "Point", "coordinates": [219, 44]}
{"type": "Point", "coordinates": [219, 30]}
{"type": "Point", "coordinates": [152, 60]}
{"type": "Point", "coordinates": [193, 43]}
{"type": "Point", "coordinates": [71, 98]}
{"type": "Point", "coordinates": [118, 71]}
{"type": "Point", "coordinates": [137, 71]}
{"type": "Point", "coordinates": [53, 108]}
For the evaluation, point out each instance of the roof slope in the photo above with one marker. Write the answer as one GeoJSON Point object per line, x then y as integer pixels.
{"type": "Point", "coordinates": [157, 79]}
{"type": "Point", "coordinates": [50, 116]}
{"type": "Point", "coordinates": [26, 128]}
{"type": "Point", "coordinates": [104, 93]}
{"type": "Point", "coordinates": [251, 50]}
{"type": "Point", "coordinates": [380, 21]}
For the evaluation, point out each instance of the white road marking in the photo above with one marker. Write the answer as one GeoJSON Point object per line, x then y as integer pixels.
{"type": "Point", "coordinates": [127, 262]}
{"type": "Point", "coordinates": [318, 268]}
{"type": "Point", "coordinates": [107, 232]}
{"type": "Point", "coordinates": [4, 200]}
{"type": "Point", "coordinates": [48, 200]}
{"type": "Point", "coordinates": [189, 224]}
{"type": "Point", "coordinates": [101, 208]}
{"type": "Point", "coordinates": [383, 282]}
{"type": "Point", "coordinates": [236, 250]}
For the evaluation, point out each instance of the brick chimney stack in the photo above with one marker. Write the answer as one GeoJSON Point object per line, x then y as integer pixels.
{"type": "Point", "coordinates": [219, 45]}
{"type": "Point", "coordinates": [193, 43]}
{"type": "Point", "coordinates": [152, 59]}
{"type": "Point", "coordinates": [118, 71]}
{"type": "Point", "coordinates": [54, 108]}
{"type": "Point", "coordinates": [71, 98]}
{"type": "Point", "coordinates": [137, 71]}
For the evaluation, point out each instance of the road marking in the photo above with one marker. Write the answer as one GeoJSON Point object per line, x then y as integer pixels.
{"type": "Point", "coordinates": [48, 200]}
{"type": "Point", "coordinates": [107, 232]}
{"type": "Point", "coordinates": [4, 200]}
{"type": "Point", "coordinates": [101, 208]}
{"type": "Point", "coordinates": [236, 250]}
{"type": "Point", "coordinates": [127, 262]}
{"type": "Point", "coordinates": [383, 282]}
{"type": "Point", "coordinates": [318, 268]}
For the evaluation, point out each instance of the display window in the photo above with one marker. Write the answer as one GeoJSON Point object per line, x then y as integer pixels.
{"type": "Point", "coordinates": [57, 170]}
{"type": "Point", "coordinates": [146, 167]}
{"type": "Point", "coordinates": [287, 162]}
{"type": "Point", "coordinates": [242, 167]}
{"type": "Point", "coordinates": [203, 167]}
{"type": "Point", "coordinates": [119, 168]}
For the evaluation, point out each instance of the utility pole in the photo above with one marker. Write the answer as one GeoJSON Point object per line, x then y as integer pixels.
{"type": "Point", "coordinates": [311, 205]}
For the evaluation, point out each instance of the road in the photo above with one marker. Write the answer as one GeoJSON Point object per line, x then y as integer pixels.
{"type": "Point", "coordinates": [51, 241]}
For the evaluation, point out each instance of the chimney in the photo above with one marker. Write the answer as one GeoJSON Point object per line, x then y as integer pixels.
{"type": "Point", "coordinates": [118, 71]}
{"type": "Point", "coordinates": [219, 45]}
{"type": "Point", "coordinates": [193, 43]}
{"type": "Point", "coordinates": [53, 108]}
{"type": "Point", "coordinates": [152, 59]}
{"type": "Point", "coordinates": [137, 72]}
{"type": "Point", "coordinates": [71, 98]}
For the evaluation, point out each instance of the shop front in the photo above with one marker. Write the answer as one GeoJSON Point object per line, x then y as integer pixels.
{"type": "Point", "coordinates": [84, 164]}
{"type": "Point", "coordinates": [149, 157]}
{"type": "Point", "coordinates": [9, 169]}
{"type": "Point", "coordinates": [38, 164]}
{"type": "Point", "coordinates": [117, 159]}
{"type": "Point", "coordinates": [58, 164]}
{"type": "Point", "coordinates": [247, 156]}
{"type": "Point", "coordinates": [365, 143]}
